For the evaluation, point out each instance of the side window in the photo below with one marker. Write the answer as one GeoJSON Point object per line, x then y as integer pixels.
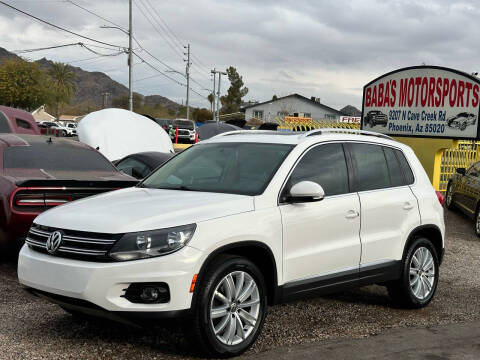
{"type": "Point", "coordinates": [23, 124]}
{"type": "Point", "coordinates": [133, 167]}
{"type": "Point", "coordinates": [396, 173]}
{"type": "Point", "coordinates": [4, 128]}
{"type": "Point", "coordinates": [407, 171]}
{"type": "Point", "coordinates": [325, 165]}
{"type": "Point", "coordinates": [371, 167]}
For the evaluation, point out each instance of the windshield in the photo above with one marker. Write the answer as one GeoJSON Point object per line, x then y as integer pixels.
{"type": "Point", "coordinates": [235, 168]}
{"type": "Point", "coordinates": [184, 124]}
{"type": "Point", "coordinates": [58, 157]}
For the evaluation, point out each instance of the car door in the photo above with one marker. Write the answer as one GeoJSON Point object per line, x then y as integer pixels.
{"type": "Point", "coordinates": [389, 209]}
{"type": "Point", "coordinates": [321, 239]}
{"type": "Point", "coordinates": [471, 189]}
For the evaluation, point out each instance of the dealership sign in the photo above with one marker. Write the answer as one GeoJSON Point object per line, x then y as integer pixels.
{"type": "Point", "coordinates": [424, 101]}
{"type": "Point", "coordinates": [350, 119]}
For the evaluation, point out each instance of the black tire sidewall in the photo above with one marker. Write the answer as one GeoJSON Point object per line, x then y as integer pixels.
{"type": "Point", "coordinates": [412, 299]}
{"type": "Point", "coordinates": [449, 190]}
{"type": "Point", "coordinates": [211, 280]}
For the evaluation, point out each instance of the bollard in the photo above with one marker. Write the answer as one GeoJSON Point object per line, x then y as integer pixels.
{"type": "Point", "coordinates": [176, 135]}
{"type": "Point", "coordinates": [196, 137]}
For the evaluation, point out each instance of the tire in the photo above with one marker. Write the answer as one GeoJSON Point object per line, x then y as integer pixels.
{"type": "Point", "coordinates": [463, 126]}
{"type": "Point", "coordinates": [372, 123]}
{"type": "Point", "coordinates": [408, 293]}
{"type": "Point", "coordinates": [477, 221]}
{"type": "Point", "coordinates": [226, 270]}
{"type": "Point", "coordinates": [449, 198]}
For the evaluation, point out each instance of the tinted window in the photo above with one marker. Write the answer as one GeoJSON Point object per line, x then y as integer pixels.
{"type": "Point", "coordinates": [4, 128]}
{"type": "Point", "coordinates": [396, 173]}
{"type": "Point", "coordinates": [371, 167]}
{"type": "Point", "coordinates": [49, 157]}
{"type": "Point", "coordinates": [325, 165]}
{"type": "Point", "coordinates": [236, 168]}
{"type": "Point", "coordinates": [23, 124]}
{"type": "Point", "coordinates": [134, 168]}
{"type": "Point", "coordinates": [407, 171]}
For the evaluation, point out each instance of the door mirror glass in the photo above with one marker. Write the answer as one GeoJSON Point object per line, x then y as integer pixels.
{"type": "Point", "coordinates": [461, 171]}
{"type": "Point", "coordinates": [306, 191]}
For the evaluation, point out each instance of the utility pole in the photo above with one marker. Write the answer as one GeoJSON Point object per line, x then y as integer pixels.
{"type": "Point", "coordinates": [130, 62]}
{"type": "Point", "coordinates": [105, 99]}
{"type": "Point", "coordinates": [214, 96]}
{"type": "Point", "coordinates": [220, 73]}
{"type": "Point", "coordinates": [187, 70]}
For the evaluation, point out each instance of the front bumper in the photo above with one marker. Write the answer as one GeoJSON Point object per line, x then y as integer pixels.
{"type": "Point", "coordinates": [103, 284]}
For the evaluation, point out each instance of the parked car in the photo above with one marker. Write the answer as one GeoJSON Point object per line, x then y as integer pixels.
{"type": "Point", "coordinates": [17, 121]}
{"type": "Point", "coordinates": [140, 165]}
{"type": "Point", "coordinates": [166, 124]}
{"type": "Point", "coordinates": [243, 220]}
{"type": "Point", "coordinates": [462, 120]}
{"type": "Point", "coordinates": [40, 172]}
{"type": "Point", "coordinates": [463, 193]}
{"type": "Point", "coordinates": [376, 117]}
{"type": "Point", "coordinates": [186, 130]}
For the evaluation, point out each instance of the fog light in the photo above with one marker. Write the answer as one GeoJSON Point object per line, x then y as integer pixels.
{"type": "Point", "coordinates": [150, 294]}
{"type": "Point", "coordinates": [147, 293]}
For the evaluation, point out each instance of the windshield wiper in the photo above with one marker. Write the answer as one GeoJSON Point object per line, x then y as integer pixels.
{"type": "Point", "coordinates": [179, 187]}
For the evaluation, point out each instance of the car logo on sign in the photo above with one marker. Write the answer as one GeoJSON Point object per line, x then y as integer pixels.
{"type": "Point", "coordinates": [53, 242]}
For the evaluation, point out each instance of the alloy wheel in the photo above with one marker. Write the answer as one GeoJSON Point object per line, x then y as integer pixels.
{"type": "Point", "coordinates": [449, 196]}
{"type": "Point", "coordinates": [422, 273]}
{"type": "Point", "coordinates": [234, 308]}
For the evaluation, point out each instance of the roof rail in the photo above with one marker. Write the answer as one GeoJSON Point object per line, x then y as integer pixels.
{"type": "Point", "coordinates": [248, 132]}
{"type": "Point", "coordinates": [346, 131]}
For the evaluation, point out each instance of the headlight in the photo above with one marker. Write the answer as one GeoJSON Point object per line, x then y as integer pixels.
{"type": "Point", "coordinates": [146, 244]}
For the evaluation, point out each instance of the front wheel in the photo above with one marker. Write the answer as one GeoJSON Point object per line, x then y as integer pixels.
{"type": "Point", "coordinates": [231, 307]}
{"type": "Point", "coordinates": [449, 198]}
{"type": "Point", "coordinates": [477, 222]}
{"type": "Point", "coordinates": [418, 282]}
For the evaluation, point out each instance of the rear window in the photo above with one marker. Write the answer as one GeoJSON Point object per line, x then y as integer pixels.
{"type": "Point", "coordinates": [4, 128]}
{"type": "Point", "coordinates": [50, 157]}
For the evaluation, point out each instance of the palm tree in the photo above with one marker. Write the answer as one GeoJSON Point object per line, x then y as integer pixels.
{"type": "Point", "coordinates": [63, 84]}
{"type": "Point", "coordinates": [211, 99]}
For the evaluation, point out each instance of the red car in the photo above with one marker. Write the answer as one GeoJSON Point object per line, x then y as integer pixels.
{"type": "Point", "coordinates": [17, 121]}
{"type": "Point", "coordinates": [39, 172]}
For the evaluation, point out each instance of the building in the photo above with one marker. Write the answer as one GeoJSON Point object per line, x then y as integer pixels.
{"type": "Point", "coordinates": [292, 105]}
{"type": "Point", "coordinates": [41, 115]}
{"type": "Point", "coordinates": [70, 118]}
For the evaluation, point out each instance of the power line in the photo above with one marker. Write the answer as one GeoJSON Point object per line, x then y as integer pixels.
{"type": "Point", "coordinates": [94, 14]}
{"type": "Point", "coordinates": [165, 27]}
{"type": "Point", "coordinates": [44, 48]}
{"type": "Point", "coordinates": [58, 27]}
{"type": "Point", "coordinates": [178, 52]}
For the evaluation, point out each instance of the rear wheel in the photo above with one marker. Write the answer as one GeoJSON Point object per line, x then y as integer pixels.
{"type": "Point", "coordinates": [477, 222]}
{"type": "Point", "coordinates": [231, 307]}
{"type": "Point", "coordinates": [418, 282]}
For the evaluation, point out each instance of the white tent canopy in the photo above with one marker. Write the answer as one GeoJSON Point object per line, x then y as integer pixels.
{"type": "Point", "coordinates": [118, 133]}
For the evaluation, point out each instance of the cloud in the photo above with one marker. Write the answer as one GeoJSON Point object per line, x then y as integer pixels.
{"type": "Point", "coordinates": [328, 49]}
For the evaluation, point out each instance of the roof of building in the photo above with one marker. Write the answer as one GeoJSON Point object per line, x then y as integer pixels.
{"type": "Point", "coordinates": [298, 96]}
{"type": "Point", "coordinates": [39, 114]}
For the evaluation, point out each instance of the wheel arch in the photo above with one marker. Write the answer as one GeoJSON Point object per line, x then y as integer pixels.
{"type": "Point", "coordinates": [431, 232]}
{"type": "Point", "coordinates": [257, 252]}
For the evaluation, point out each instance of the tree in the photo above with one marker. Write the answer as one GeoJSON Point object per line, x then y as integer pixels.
{"type": "Point", "coordinates": [211, 99]}
{"type": "Point", "coordinates": [201, 115]}
{"type": "Point", "coordinates": [63, 84]}
{"type": "Point", "coordinates": [274, 97]}
{"type": "Point", "coordinates": [231, 102]}
{"type": "Point", "coordinates": [23, 85]}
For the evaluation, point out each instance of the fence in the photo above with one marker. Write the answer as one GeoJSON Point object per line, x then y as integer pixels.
{"type": "Point", "coordinates": [314, 124]}
{"type": "Point", "coordinates": [463, 154]}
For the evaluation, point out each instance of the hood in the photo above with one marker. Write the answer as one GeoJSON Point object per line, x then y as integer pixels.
{"type": "Point", "coordinates": [39, 174]}
{"type": "Point", "coordinates": [141, 209]}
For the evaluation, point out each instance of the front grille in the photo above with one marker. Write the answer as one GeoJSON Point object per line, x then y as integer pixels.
{"type": "Point", "coordinates": [75, 244]}
{"type": "Point", "coordinates": [183, 132]}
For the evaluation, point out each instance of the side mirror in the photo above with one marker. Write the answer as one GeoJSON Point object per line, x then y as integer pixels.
{"type": "Point", "coordinates": [306, 191]}
{"type": "Point", "coordinates": [461, 171]}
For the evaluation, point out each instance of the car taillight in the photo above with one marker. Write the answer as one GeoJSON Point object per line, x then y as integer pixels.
{"type": "Point", "coordinates": [440, 197]}
{"type": "Point", "coordinates": [41, 200]}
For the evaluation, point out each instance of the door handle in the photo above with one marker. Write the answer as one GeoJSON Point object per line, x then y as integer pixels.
{"type": "Point", "coordinates": [352, 214]}
{"type": "Point", "coordinates": [407, 206]}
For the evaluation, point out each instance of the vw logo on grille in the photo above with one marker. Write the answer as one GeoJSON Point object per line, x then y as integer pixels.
{"type": "Point", "coordinates": [53, 242]}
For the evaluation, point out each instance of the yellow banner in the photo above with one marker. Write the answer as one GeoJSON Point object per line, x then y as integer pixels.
{"type": "Point", "coordinates": [293, 119]}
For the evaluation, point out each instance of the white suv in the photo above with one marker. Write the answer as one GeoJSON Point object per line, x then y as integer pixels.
{"type": "Point", "coordinates": [240, 221]}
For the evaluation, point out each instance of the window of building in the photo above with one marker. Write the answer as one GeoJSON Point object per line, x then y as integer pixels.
{"type": "Point", "coordinates": [307, 115]}
{"type": "Point", "coordinates": [330, 117]}
{"type": "Point", "coordinates": [258, 114]}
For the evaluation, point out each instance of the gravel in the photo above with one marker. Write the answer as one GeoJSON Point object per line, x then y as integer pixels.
{"type": "Point", "coordinates": [31, 328]}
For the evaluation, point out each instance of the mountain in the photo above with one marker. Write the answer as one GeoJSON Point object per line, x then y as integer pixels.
{"type": "Point", "coordinates": [351, 110]}
{"type": "Point", "coordinates": [91, 85]}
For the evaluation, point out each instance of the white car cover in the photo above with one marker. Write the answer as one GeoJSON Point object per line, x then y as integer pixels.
{"type": "Point", "coordinates": [117, 133]}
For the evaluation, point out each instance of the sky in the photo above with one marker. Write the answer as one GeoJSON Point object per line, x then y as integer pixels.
{"type": "Point", "coordinates": [324, 48]}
